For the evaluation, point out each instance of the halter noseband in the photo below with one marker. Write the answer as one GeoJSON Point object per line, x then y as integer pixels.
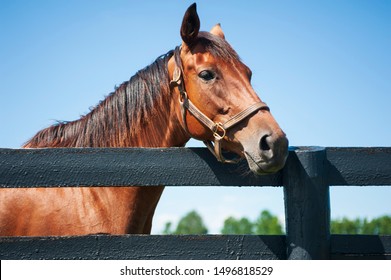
{"type": "Point", "coordinates": [218, 129]}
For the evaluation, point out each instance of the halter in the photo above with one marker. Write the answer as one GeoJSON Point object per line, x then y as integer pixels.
{"type": "Point", "coordinates": [218, 129]}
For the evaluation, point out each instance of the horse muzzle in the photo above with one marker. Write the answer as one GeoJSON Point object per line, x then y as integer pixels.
{"type": "Point", "coordinates": [266, 154]}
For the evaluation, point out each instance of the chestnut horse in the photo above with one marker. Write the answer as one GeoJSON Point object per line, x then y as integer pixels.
{"type": "Point", "coordinates": [201, 89]}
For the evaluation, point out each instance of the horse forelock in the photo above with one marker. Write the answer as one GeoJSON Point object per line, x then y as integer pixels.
{"type": "Point", "coordinates": [217, 46]}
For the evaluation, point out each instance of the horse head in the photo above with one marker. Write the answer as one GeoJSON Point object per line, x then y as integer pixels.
{"type": "Point", "coordinates": [218, 104]}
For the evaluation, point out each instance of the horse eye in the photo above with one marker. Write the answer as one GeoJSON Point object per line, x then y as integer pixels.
{"type": "Point", "coordinates": [207, 75]}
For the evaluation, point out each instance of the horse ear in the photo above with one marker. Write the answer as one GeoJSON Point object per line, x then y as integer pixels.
{"type": "Point", "coordinates": [190, 25]}
{"type": "Point", "coordinates": [216, 30]}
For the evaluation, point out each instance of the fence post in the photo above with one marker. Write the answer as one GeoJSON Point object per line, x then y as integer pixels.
{"type": "Point", "coordinates": [307, 204]}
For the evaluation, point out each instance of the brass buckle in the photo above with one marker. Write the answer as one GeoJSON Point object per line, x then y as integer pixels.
{"type": "Point", "coordinates": [219, 131]}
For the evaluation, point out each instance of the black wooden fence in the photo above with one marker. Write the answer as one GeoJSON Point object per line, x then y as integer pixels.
{"type": "Point", "coordinates": [306, 179]}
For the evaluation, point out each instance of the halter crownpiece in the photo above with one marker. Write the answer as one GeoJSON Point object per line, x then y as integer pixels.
{"type": "Point", "coordinates": [218, 129]}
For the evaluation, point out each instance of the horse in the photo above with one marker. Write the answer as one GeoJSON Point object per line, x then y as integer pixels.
{"type": "Point", "coordinates": [200, 89]}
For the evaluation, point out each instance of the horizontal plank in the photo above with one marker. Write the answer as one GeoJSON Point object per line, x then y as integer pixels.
{"type": "Point", "coordinates": [365, 247]}
{"type": "Point", "coordinates": [174, 167]}
{"type": "Point", "coordinates": [145, 247]}
{"type": "Point", "coordinates": [175, 247]}
{"type": "Point", "coordinates": [122, 167]}
{"type": "Point", "coordinates": [359, 166]}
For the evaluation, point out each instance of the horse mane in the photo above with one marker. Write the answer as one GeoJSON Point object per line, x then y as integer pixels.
{"type": "Point", "coordinates": [118, 118]}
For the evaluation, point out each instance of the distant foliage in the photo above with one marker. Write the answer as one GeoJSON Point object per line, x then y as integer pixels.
{"type": "Point", "coordinates": [237, 226]}
{"type": "Point", "coordinates": [265, 224]}
{"type": "Point", "coordinates": [191, 223]}
{"type": "Point", "coordinates": [381, 225]}
{"type": "Point", "coordinates": [268, 224]}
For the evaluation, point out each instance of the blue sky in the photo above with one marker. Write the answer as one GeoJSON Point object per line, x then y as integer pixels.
{"type": "Point", "coordinates": [324, 68]}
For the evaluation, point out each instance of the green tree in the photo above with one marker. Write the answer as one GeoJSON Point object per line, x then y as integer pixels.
{"type": "Point", "coordinates": [191, 223]}
{"type": "Point", "coordinates": [237, 226]}
{"type": "Point", "coordinates": [268, 224]}
{"type": "Point", "coordinates": [346, 226]}
{"type": "Point", "coordinates": [381, 225]}
{"type": "Point", "coordinates": [265, 224]}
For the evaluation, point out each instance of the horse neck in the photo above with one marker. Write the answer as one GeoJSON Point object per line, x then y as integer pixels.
{"type": "Point", "coordinates": [162, 129]}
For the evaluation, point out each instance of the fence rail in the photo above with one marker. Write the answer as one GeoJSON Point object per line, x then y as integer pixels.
{"type": "Point", "coordinates": [306, 179]}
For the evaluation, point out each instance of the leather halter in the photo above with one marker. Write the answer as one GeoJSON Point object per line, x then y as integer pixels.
{"type": "Point", "coordinates": [218, 129]}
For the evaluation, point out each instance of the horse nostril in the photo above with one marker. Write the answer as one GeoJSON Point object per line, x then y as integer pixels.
{"type": "Point", "coordinates": [264, 145]}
